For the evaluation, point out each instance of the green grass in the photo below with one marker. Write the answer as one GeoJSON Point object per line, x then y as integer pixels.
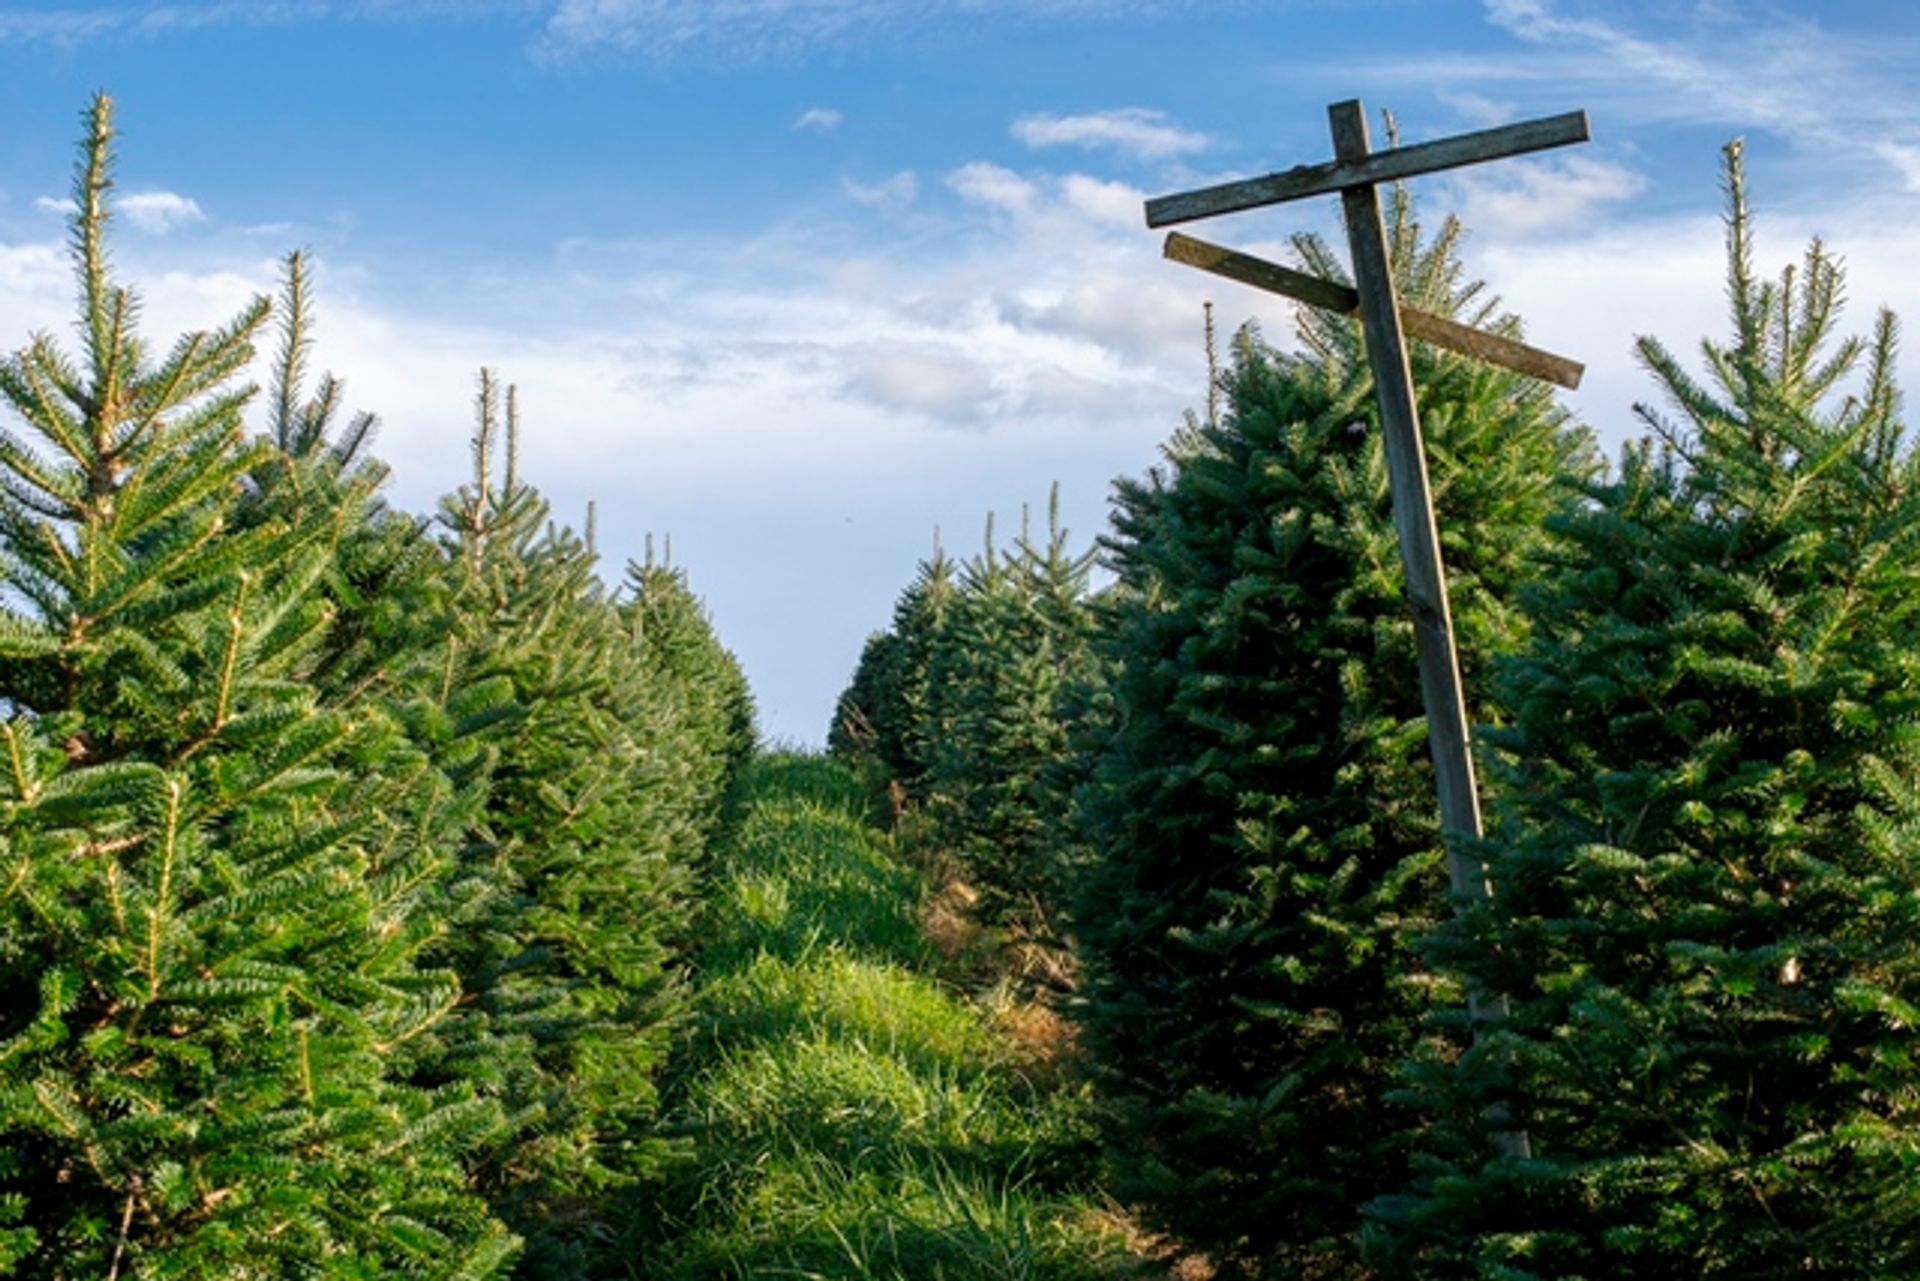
{"type": "Point", "coordinates": [851, 1115]}
{"type": "Point", "coordinates": [835, 995]}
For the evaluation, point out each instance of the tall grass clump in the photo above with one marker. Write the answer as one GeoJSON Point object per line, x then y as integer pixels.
{"type": "Point", "coordinates": [851, 1115]}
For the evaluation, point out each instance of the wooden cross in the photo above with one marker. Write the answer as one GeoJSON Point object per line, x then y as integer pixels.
{"type": "Point", "coordinates": [1355, 172]}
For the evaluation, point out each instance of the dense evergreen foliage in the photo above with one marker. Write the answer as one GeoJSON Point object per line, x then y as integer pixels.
{"type": "Point", "coordinates": [968, 709]}
{"type": "Point", "coordinates": [1708, 842]}
{"type": "Point", "coordinates": [1005, 677]}
{"type": "Point", "coordinates": [706, 699]}
{"type": "Point", "coordinates": [603, 782]}
{"type": "Point", "coordinates": [882, 718]}
{"type": "Point", "coordinates": [1266, 847]}
{"type": "Point", "coordinates": [345, 860]}
{"type": "Point", "coordinates": [212, 920]}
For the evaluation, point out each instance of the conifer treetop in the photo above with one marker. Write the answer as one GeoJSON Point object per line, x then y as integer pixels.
{"type": "Point", "coordinates": [124, 452]}
{"type": "Point", "coordinates": [1765, 392]}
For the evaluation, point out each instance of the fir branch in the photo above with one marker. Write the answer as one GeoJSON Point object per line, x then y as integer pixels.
{"type": "Point", "coordinates": [92, 180]}
{"type": "Point", "coordinates": [162, 906]}
{"type": "Point", "coordinates": [296, 341]}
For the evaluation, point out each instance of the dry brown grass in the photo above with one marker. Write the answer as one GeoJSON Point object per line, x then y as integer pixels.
{"type": "Point", "coordinates": [1150, 1249]}
{"type": "Point", "coordinates": [947, 920]}
{"type": "Point", "coordinates": [1018, 978]}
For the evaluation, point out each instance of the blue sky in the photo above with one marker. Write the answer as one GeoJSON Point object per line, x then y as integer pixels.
{"type": "Point", "coordinates": [798, 280]}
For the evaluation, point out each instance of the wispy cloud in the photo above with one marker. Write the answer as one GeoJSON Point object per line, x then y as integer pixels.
{"type": "Point", "coordinates": [756, 31]}
{"type": "Point", "coordinates": [822, 119]}
{"type": "Point", "coordinates": [153, 212]}
{"type": "Point", "coordinates": [159, 212]}
{"type": "Point", "coordinates": [1134, 131]}
{"type": "Point", "coordinates": [889, 193]}
{"type": "Point", "coordinates": [1530, 196]}
{"type": "Point", "coordinates": [1837, 94]}
{"type": "Point", "coordinates": [1478, 108]}
{"type": "Point", "coordinates": [146, 19]}
{"type": "Point", "coordinates": [57, 26]}
{"type": "Point", "coordinates": [733, 32]}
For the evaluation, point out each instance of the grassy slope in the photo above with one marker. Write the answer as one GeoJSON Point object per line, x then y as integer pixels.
{"type": "Point", "coordinates": [854, 1117]}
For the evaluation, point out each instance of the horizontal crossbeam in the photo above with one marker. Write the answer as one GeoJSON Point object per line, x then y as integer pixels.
{"type": "Point", "coordinates": [1326, 294]}
{"type": "Point", "coordinates": [1380, 166]}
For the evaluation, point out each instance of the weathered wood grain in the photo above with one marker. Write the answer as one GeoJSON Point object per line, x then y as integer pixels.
{"type": "Point", "coordinates": [1412, 502]}
{"type": "Point", "coordinates": [1354, 172]}
{"type": "Point", "coordinates": [1390, 165]}
{"type": "Point", "coordinates": [1448, 738]}
{"type": "Point", "coordinates": [1315, 291]}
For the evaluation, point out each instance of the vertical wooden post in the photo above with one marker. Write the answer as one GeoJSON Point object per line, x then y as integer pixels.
{"type": "Point", "coordinates": [1412, 504]}
{"type": "Point", "coordinates": [1413, 520]}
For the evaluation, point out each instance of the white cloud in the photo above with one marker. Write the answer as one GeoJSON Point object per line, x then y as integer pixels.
{"type": "Point", "coordinates": [993, 186]}
{"type": "Point", "coordinates": [159, 212]}
{"type": "Point", "coordinates": [1833, 93]}
{"type": "Point", "coordinates": [822, 119]}
{"type": "Point", "coordinates": [33, 282]}
{"type": "Point", "coordinates": [1526, 197]}
{"type": "Point", "coordinates": [889, 193]}
{"type": "Point", "coordinates": [1903, 158]}
{"type": "Point", "coordinates": [937, 381]}
{"type": "Point", "coordinates": [1140, 311]}
{"type": "Point", "coordinates": [1114, 203]}
{"type": "Point", "coordinates": [153, 212]}
{"type": "Point", "coordinates": [1134, 131]}
{"type": "Point", "coordinates": [1478, 108]}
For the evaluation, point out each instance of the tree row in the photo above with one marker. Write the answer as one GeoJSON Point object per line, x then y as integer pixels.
{"type": "Point", "coordinates": [1694, 672]}
{"type": "Point", "coordinates": [345, 855]}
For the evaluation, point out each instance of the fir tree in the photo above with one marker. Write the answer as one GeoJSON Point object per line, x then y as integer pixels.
{"type": "Point", "coordinates": [1264, 830]}
{"type": "Point", "coordinates": [712, 706]}
{"type": "Point", "coordinates": [1706, 852]}
{"type": "Point", "coordinates": [600, 798]}
{"type": "Point", "coordinates": [209, 938]}
{"type": "Point", "coordinates": [853, 732]}
{"type": "Point", "coordinates": [887, 701]}
{"type": "Point", "coordinates": [1013, 648]}
{"type": "Point", "coordinates": [580, 797]}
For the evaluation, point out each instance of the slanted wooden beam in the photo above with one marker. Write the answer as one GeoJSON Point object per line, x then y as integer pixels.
{"type": "Point", "coordinates": [1332, 296]}
{"type": "Point", "coordinates": [1355, 172]}
{"type": "Point", "coordinates": [1390, 165]}
{"type": "Point", "coordinates": [1449, 737]}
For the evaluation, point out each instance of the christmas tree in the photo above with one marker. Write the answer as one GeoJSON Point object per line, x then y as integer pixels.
{"type": "Point", "coordinates": [1706, 845]}
{"type": "Point", "coordinates": [1015, 643]}
{"type": "Point", "coordinates": [210, 940]}
{"type": "Point", "coordinates": [882, 716]}
{"type": "Point", "coordinates": [1263, 822]}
